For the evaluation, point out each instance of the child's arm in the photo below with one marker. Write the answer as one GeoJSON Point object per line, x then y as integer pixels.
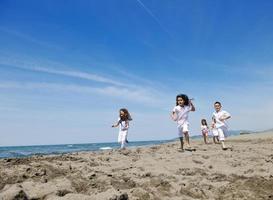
{"type": "Point", "coordinates": [225, 116]}
{"type": "Point", "coordinates": [126, 125]}
{"type": "Point", "coordinates": [192, 106]}
{"type": "Point", "coordinates": [174, 116]}
{"type": "Point", "coordinates": [115, 125]}
{"type": "Point", "coordinates": [213, 123]}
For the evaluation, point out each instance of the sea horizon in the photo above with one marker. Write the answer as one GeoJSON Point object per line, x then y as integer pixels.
{"type": "Point", "coordinates": [21, 151]}
{"type": "Point", "coordinates": [56, 149]}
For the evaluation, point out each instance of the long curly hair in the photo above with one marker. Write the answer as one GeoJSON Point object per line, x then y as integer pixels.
{"type": "Point", "coordinates": [126, 116]}
{"type": "Point", "coordinates": [184, 97]}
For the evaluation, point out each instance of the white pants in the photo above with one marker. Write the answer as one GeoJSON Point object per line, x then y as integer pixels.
{"type": "Point", "coordinates": [122, 136]}
{"type": "Point", "coordinates": [223, 132]}
{"type": "Point", "coordinates": [182, 129]}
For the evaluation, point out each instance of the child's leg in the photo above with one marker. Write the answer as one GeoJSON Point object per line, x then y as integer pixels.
{"type": "Point", "coordinates": [222, 138]}
{"type": "Point", "coordinates": [214, 140]}
{"type": "Point", "coordinates": [187, 139]}
{"type": "Point", "coordinates": [122, 146]}
{"type": "Point", "coordinates": [180, 135]}
{"type": "Point", "coordinates": [215, 136]}
{"type": "Point", "coordinates": [181, 142]}
{"type": "Point", "coordinates": [186, 134]}
{"type": "Point", "coordinates": [123, 136]}
{"type": "Point", "coordinates": [120, 137]}
{"type": "Point", "coordinates": [204, 138]}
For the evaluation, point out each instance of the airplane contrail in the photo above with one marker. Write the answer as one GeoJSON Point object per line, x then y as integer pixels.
{"type": "Point", "coordinates": [153, 16]}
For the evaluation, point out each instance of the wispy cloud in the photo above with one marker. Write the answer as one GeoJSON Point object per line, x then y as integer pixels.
{"type": "Point", "coordinates": [144, 91]}
{"type": "Point", "coordinates": [129, 81]}
{"type": "Point", "coordinates": [26, 65]}
{"type": "Point", "coordinates": [140, 95]}
{"type": "Point", "coordinates": [143, 82]}
{"type": "Point", "coordinates": [29, 38]}
{"type": "Point", "coordinates": [153, 16]}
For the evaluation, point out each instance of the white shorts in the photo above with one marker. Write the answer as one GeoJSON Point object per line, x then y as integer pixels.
{"type": "Point", "coordinates": [214, 132]}
{"type": "Point", "coordinates": [182, 129]}
{"type": "Point", "coordinates": [223, 133]}
{"type": "Point", "coordinates": [122, 136]}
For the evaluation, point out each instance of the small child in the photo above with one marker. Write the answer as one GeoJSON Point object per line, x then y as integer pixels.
{"type": "Point", "coordinates": [180, 115]}
{"type": "Point", "coordinates": [205, 130]}
{"type": "Point", "coordinates": [214, 132]}
{"type": "Point", "coordinates": [123, 123]}
{"type": "Point", "coordinates": [220, 116]}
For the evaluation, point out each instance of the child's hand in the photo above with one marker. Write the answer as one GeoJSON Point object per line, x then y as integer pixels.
{"type": "Point", "coordinates": [113, 126]}
{"type": "Point", "coordinates": [173, 116]}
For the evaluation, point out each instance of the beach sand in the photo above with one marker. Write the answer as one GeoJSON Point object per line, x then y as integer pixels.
{"type": "Point", "coordinates": [157, 172]}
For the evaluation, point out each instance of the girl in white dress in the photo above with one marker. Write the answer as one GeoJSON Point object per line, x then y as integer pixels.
{"type": "Point", "coordinates": [205, 130]}
{"type": "Point", "coordinates": [123, 123]}
{"type": "Point", "coordinates": [214, 132]}
{"type": "Point", "coordinates": [180, 115]}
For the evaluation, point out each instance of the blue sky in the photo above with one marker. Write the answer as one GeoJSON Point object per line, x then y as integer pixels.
{"type": "Point", "coordinates": [66, 67]}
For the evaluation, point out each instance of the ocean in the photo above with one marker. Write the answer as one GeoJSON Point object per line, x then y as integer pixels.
{"type": "Point", "coordinates": [26, 151]}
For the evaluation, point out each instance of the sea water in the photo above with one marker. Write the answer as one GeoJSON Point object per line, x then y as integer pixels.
{"type": "Point", "coordinates": [25, 151]}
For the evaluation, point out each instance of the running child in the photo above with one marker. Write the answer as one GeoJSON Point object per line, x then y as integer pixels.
{"type": "Point", "coordinates": [214, 132]}
{"type": "Point", "coordinates": [123, 123]}
{"type": "Point", "coordinates": [180, 114]}
{"type": "Point", "coordinates": [205, 130]}
{"type": "Point", "coordinates": [220, 116]}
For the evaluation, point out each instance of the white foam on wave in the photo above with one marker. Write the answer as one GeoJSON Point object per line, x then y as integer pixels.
{"type": "Point", "coordinates": [105, 148]}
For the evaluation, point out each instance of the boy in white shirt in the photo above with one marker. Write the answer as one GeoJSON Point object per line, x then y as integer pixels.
{"type": "Point", "coordinates": [219, 117]}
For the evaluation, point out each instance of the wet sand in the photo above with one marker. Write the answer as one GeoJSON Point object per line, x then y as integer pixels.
{"type": "Point", "coordinates": [157, 172]}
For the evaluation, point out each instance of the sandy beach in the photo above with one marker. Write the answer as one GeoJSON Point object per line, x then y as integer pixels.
{"type": "Point", "coordinates": [157, 172]}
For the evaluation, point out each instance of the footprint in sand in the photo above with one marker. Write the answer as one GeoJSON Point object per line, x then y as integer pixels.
{"type": "Point", "coordinates": [205, 157]}
{"type": "Point", "coordinates": [197, 161]}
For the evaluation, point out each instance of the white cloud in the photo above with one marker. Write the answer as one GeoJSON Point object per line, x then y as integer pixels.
{"type": "Point", "coordinates": [144, 91]}
{"type": "Point", "coordinates": [31, 66]}
{"type": "Point", "coordinates": [137, 95]}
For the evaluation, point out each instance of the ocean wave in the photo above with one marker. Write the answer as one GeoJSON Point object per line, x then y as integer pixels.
{"type": "Point", "coordinates": [105, 148]}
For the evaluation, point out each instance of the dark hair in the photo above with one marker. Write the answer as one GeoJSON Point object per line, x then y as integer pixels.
{"type": "Point", "coordinates": [127, 115]}
{"type": "Point", "coordinates": [204, 122]}
{"type": "Point", "coordinates": [184, 97]}
{"type": "Point", "coordinates": [217, 102]}
{"type": "Point", "coordinates": [213, 119]}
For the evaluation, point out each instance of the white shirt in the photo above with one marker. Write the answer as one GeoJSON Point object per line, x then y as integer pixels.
{"type": "Point", "coordinates": [204, 128]}
{"type": "Point", "coordinates": [218, 115]}
{"type": "Point", "coordinates": [182, 114]}
{"type": "Point", "coordinates": [122, 125]}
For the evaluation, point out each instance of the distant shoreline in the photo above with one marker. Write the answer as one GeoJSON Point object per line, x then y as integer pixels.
{"type": "Point", "coordinates": [38, 150]}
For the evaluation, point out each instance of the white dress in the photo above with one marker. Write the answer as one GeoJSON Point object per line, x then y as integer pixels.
{"type": "Point", "coordinates": [182, 113]}
{"type": "Point", "coordinates": [123, 131]}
